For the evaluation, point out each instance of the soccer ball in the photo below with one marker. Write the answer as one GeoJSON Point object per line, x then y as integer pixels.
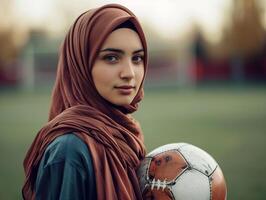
{"type": "Point", "coordinates": [181, 171]}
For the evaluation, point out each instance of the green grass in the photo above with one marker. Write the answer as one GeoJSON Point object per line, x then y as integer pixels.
{"type": "Point", "coordinates": [230, 124]}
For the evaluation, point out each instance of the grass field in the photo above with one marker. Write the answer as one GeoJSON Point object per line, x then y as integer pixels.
{"type": "Point", "coordinates": [230, 124]}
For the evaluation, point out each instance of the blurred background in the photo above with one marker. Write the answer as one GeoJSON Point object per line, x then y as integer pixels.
{"type": "Point", "coordinates": [206, 83]}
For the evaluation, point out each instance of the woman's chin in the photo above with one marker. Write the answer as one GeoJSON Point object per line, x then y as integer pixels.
{"type": "Point", "coordinates": [122, 102]}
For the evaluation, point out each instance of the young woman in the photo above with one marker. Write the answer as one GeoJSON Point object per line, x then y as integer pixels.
{"type": "Point", "coordinates": [91, 146]}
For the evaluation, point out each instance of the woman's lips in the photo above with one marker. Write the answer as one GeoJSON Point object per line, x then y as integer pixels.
{"type": "Point", "coordinates": [125, 89]}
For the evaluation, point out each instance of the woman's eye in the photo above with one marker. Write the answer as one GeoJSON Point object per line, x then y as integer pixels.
{"type": "Point", "coordinates": [111, 58]}
{"type": "Point", "coordinates": [137, 59]}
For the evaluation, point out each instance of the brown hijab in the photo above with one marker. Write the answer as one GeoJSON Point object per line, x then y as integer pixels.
{"type": "Point", "coordinates": [112, 135]}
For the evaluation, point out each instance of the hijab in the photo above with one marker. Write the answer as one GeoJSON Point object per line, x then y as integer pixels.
{"type": "Point", "coordinates": [114, 138]}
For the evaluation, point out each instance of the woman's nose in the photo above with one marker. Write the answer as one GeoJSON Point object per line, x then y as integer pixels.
{"type": "Point", "coordinates": [127, 70]}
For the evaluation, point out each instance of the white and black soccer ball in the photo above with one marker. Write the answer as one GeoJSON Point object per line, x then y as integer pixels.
{"type": "Point", "coordinates": [181, 171]}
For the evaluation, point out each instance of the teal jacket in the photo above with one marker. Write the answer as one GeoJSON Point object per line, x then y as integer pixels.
{"type": "Point", "coordinates": [66, 171]}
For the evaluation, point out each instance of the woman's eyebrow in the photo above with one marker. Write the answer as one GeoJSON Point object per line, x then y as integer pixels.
{"type": "Point", "coordinates": [137, 51]}
{"type": "Point", "coordinates": [119, 50]}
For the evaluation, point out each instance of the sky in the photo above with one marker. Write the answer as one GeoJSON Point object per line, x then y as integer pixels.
{"type": "Point", "coordinates": [168, 17]}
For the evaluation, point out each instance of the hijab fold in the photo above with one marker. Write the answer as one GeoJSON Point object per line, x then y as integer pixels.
{"type": "Point", "coordinates": [114, 138]}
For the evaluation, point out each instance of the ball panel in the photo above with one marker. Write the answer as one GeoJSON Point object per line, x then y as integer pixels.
{"type": "Point", "coordinates": [167, 166]}
{"type": "Point", "coordinates": [153, 194]}
{"type": "Point", "coordinates": [164, 148]}
{"type": "Point", "coordinates": [143, 173]}
{"type": "Point", "coordinates": [198, 159]}
{"type": "Point", "coordinates": [218, 185]}
{"type": "Point", "coordinates": [192, 185]}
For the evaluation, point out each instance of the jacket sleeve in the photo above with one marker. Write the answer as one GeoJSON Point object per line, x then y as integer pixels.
{"type": "Point", "coordinates": [60, 181]}
{"type": "Point", "coordinates": [66, 172]}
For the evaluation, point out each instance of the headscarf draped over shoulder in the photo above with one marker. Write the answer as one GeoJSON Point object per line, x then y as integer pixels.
{"type": "Point", "coordinates": [112, 135]}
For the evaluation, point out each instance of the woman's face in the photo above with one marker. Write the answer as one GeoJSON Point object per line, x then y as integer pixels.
{"type": "Point", "coordinates": [119, 67]}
